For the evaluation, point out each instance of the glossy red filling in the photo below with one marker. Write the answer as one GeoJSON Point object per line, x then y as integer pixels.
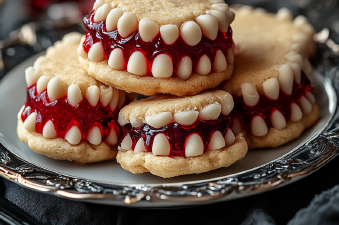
{"type": "Point", "coordinates": [177, 133]}
{"type": "Point", "coordinates": [96, 32]}
{"type": "Point", "coordinates": [64, 116]}
{"type": "Point", "coordinates": [267, 106]}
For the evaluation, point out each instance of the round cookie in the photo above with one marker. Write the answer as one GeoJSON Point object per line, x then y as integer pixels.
{"type": "Point", "coordinates": [272, 93]}
{"type": "Point", "coordinates": [162, 46]}
{"type": "Point", "coordinates": [68, 114]}
{"type": "Point", "coordinates": [171, 136]}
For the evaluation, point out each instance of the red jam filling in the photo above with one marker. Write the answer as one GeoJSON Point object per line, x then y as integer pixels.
{"type": "Point", "coordinates": [266, 106]}
{"type": "Point", "coordinates": [177, 133]}
{"type": "Point", "coordinates": [96, 32]}
{"type": "Point", "coordinates": [64, 116]}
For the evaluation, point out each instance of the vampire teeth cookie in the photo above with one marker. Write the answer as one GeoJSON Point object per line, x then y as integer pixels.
{"type": "Point", "coordinates": [171, 136]}
{"type": "Point", "coordinates": [175, 47]}
{"type": "Point", "coordinates": [272, 93]}
{"type": "Point", "coordinates": [68, 114]}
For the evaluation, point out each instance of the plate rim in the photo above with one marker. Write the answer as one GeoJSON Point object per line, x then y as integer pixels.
{"type": "Point", "coordinates": [281, 171]}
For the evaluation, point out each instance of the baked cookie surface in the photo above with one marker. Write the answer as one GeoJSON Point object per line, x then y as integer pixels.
{"type": "Point", "coordinates": [171, 136]}
{"type": "Point", "coordinates": [68, 114]}
{"type": "Point", "coordinates": [151, 47]}
{"type": "Point", "coordinates": [272, 93]}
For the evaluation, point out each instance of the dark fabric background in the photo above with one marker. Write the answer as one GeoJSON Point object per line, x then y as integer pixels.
{"type": "Point", "coordinates": [312, 200]}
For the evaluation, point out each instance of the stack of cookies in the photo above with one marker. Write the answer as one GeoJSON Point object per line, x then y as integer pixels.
{"type": "Point", "coordinates": [80, 104]}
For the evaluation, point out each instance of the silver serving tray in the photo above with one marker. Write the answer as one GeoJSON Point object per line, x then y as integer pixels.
{"type": "Point", "coordinates": [107, 183]}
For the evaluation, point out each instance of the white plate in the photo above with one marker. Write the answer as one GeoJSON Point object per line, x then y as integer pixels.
{"type": "Point", "coordinates": [13, 96]}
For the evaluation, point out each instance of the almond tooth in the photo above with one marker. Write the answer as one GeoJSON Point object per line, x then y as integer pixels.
{"type": "Point", "coordinates": [20, 112]}
{"type": "Point", "coordinates": [310, 97]}
{"type": "Point", "coordinates": [271, 88]}
{"type": "Point", "coordinates": [140, 146]}
{"type": "Point", "coordinates": [112, 19]}
{"type": "Point", "coordinates": [30, 121]}
{"type": "Point", "coordinates": [116, 59]}
{"type": "Point", "coordinates": [161, 145]}
{"type": "Point", "coordinates": [137, 64]}
{"type": "Point", "coordinates": [227, 104]}
{"type": "Point", "coordinates": [305, 104]}
{"type": "Point", "coordinates": [127, 24]}
{"type": "Point", "coordinates": [148, 30]}
{"type": "Point", "coordinates": [230, 16]}
{"type": "Point", "coordinates": [296, 113]}
{"type": "Point", "coordinates": [191, 33]}
{"type": "Point", "coordinates": [229, 138]}
{"type": "Point", "coordinates": [296, 71]}
{"type": "Point", "coordinates": [106, 94]}
{"type": "Point", "coordinates": [114, 100]}
{"type": "Point", "coordinates": [102, 12]}
{"type": "Point", "coordinates": [127, 143]}
{"type": "Point", "coordinates": [286, 78]}
{"type": "Point", "coordinates": [230, 56]}
{"type": "Point", "coordinates": [31, 76]}
{"type": "Point", "coordinates": [204, 65]}
{"type": "Point", "coordinates": [98, 3]}
{"type": "Point", "coordinates": [81, 50]}
{"type": "Point", "coordinates": [49, 130]}
{"type": "Point", "coordinates": [162, 66]}
{"type": "Point", "coordinates": [42, 83]}
{"type": "Point", "coordinates": [112, 138]}
{"type": "Point", "coordinates": [284, 14]}
{"type": "Point", "coordinates": [186, 118]}
{"type": "Point", "coordinates": [222, 19]}
{"type": "Point", "coordinates": [92, 95]}
{"type": "Point", "coordinates": [40, 60]}
{"type": "Point", "coordinates": [122, 121]}
{"type": "Point", "coordinates": [250, 94]}
{"type": "Point", "coordinates": [94, 136]}
{"type": "Point", "coordinates": [307, 67]}
{"type": "Point", "coordinates": [258, 126]}
{"type": "Point", "coordinates": [208, 25]}
{"type": "Point", "coordinates": [159, 120]}
{"type": "Point", "coordinates": [56, 89]}
{"type": "Point", "coordinates": [122, 98]}
{"type": "Point", "coordinates": [74, 96]}
{"type": "Point", "coordinates": [217, 141]}
{"type": "Point", "coordinates": [296, 47]}
{"type": "Point", "coordinates": [294, 57]}
{"type": "Point", "coordinates": [236, 126]}
{"type": "Point", "coordinates": [184, 69]}
{"type": "Point", "coordinates": [194, 145]}
{"type": "Point", "coordinates": [73, 135]}
{"type": "Point", "coordinates": [278, 120]}
{"type": "Point", "coordinates": [245, 9]}
{"type": "Point", "coordinates": [169, 33]}
{"type": "Point", "coordinates": [300, 21]}
{"type": "Point", "coordinates": [136, 122]}
{"type": "Point", "coordinates": [220, 6]}
{"type": "Point", "coordinates": [96, 52]}
{"type": "Point", "coordinates": [210, 112]}
{"type": "Point", "coordinates": [72, 38]}
{"type": "Point", "coordinates": [219, 63]}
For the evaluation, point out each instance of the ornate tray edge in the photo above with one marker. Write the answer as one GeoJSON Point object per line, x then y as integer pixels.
{"type": "Point", "coordinates": [294, 165]}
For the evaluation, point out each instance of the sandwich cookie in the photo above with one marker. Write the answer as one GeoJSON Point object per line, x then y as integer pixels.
{"type": "Point", "coordinates": [170, 136]}
{"type": "Point", "coordinates": [273, 96]}
{"type": "Point", "coordinates": [149, 47]}
{"type": "Point", "coordinates": [68, 114]}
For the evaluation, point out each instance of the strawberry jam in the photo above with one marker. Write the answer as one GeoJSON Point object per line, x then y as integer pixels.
{"type": "Point", "coordinates": [177, 133]}
{"type": "Point", "coordinates": [96, 32]}
{"type": "Point", "coordinates": [64, 116]}
{"type": "Point", "coordinates": [266, 106]}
